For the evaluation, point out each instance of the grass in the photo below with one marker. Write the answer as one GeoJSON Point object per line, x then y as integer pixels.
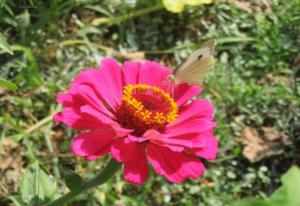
{"type": "Point", "coordinates": [254, 84]}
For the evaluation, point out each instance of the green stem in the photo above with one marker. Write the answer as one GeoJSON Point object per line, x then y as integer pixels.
{"type": "Point", "coordinates": [110, 169]}
{"type": "Point", "coordinates": [39, 124]}
{"type": "Point", "coordinates": [119, 19]}
{"type": "Point", "coordinates": [54, 158]}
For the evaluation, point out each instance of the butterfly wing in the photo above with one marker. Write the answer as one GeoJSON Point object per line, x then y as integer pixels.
{"type": "Point", "coordinates": [194, 69]}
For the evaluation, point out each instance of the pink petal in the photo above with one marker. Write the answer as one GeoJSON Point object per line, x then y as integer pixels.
{"type": "Point", "coordinates": [199, 108]}
{"type": "Point", "coordinates": [92, 143]}
{"type": "Point", "coordinates": [152, 73]}
{"type": "Point", "coordinates": [122, 150]}
{"type": "Point", "coordinates": [152, 134]}
{"type": "Point", "coordinates": [185, 92]}
{"type": "Point", "coordinates": [137, 139]}
{"type": "Point", "coordinates": [67, 99]}
{"type": "Point", "coordinates": [136, 169]}
{"type": "Point", "coordinates": [88, 96]}
{"type": "Point", "coordinates": [191, 140]}
{"type": "Point", "coordinates": [119, 131]}
{"type": "Point", "coordinates": [134, 158]}
{"type": "Point", "coordinates": [209, 149]}
{"type": "Point", "coordinates": [89, 110]}
{"type": "Point", "coordinates": [191, 126]}
{"type": "Point", "coordinates": [157, 138]}
{"type": "Point", "coordinates": [105, 150]}
{"type": "Point", "coordinates": [131, 72]}
{"type": "Point", "coordinates": [174, 166]}
{"type": "Point", "coordinates": [106, 81]}
{"type": "Point", "coordinates": [181, 141]}
{"type": "Point", "coordinates": [93, 78]}
{"type": "Point", "coordinates": [112, 75]}
{"type": "Point", "coordinates": [73, 118]}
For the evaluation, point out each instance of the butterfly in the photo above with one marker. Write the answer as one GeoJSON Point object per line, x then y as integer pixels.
{"type": "Point", "coordinates": [194, 69]}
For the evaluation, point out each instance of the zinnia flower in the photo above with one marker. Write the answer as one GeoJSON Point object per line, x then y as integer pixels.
{"type": "Point", "coordinates": [132, 113]}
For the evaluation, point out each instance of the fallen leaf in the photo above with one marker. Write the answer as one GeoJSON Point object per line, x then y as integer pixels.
{"type": "Point", "coordinates": [11, 166]}
{"type": "Point", "coordinates": [262, 143]}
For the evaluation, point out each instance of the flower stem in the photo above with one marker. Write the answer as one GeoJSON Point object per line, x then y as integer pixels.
{"type": "Point", "coordinates": [110, 169]}
{"type": "Point", "coordinates": [119, 19]}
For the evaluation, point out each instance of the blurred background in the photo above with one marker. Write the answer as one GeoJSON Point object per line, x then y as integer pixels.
{"type": "Point", "coordinates": [254, 87]}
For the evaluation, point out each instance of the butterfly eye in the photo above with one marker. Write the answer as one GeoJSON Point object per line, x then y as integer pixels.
{"type": "Point", "coordinates": [199, 57]}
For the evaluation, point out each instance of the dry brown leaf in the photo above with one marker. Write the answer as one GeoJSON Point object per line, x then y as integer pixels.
{"type": "Point", "coordinates": [262, 143]}
{"type": "Point", "coordinates": [7, 145]}
{"type": "Point", "coordinates": [244, 5]}
{"type": "Point", "coordinates": [3, 91]}
{"type": "Point", "coordinates": [11, 166]}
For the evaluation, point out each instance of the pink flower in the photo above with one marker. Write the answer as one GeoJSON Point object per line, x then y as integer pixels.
{"type": "Point", "coordinates": [132, 114]}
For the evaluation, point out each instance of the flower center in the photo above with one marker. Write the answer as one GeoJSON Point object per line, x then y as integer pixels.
{"type": "Point", "coordinates": [146, 107]}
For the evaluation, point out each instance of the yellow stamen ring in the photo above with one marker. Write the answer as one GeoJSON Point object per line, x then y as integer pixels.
{"type": "Point", "coordinates": [146, 107]}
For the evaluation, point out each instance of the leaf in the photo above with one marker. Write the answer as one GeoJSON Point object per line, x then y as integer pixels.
{"type": "Point", "coordinates": [73, 180]}
{"type": "Point", "coordinates": [262, 142]}
{"type": "Point", "coordinates": [31, 72]}
{"type": "Point", "coordinates": [288, 194]}
{"type": "Point", "coordinates": [234, 39]}
{"type": "Point", "coordinates": [36, 186]}
{"type": "Point", "coordinates": [252, 202]}
{"type": "Point", "coordinates": [4, 45]}
{"type": "Point", "coordinates": [7, 84]}
{"type": "Point", "coordinates": [17, 201]}
{"type": "Point", "coordinates": [23, 19]}
{"type": "Point", "coordinates": [291, 180]}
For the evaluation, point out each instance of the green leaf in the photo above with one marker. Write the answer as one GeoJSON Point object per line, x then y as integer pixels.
{"type": "Point", "coordinates": [23, 19]}
{"type": "Point", "coordinates": [31, 73]}
{"type": "Point", "coordinates": [4, 45]}
{"type": "Point", "coordinates": [289, 193]}
{"type": "Point", "coordinates": [7, 84]}
{"type": "Point", "coordinates": [17, 201]}
{"type": "Point", "coordinates": [73, 180]}
{"type": "Point", "coordinates": [37, 186]}
{"type": "Point", "coordinates": [234, 39]}
{"type": "Point", "coordinates": [252, 202]}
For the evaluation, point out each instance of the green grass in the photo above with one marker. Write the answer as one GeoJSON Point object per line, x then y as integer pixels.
{"type": "Point", "coordinates": [253, 84]}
